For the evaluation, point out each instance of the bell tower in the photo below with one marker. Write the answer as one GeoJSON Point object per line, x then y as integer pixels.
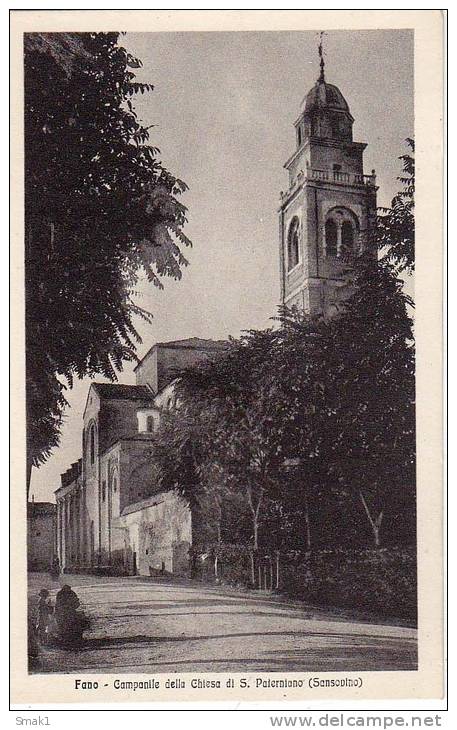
{"type": "Point", "coordinates": [326, 215]}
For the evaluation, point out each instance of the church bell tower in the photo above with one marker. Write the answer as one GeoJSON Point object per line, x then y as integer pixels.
{"type": "Point", "coordinates": [329, 210]}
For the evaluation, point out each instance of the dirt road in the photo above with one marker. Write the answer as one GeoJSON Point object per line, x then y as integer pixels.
{"type": "Point", "coordinates": [141, 625]}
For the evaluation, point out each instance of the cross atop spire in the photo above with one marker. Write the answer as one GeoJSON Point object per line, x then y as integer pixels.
{"type": "Point", "coordinates": [321, 55]}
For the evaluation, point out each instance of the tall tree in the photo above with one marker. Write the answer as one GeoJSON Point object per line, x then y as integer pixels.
{"type": "Point", "coordinates": [368, 398]}
{"type": "Point", "coordinates": [184, 457]}
{"type": "Point", "coordinates": [395, 229]}
{"type": "Point", "coordinates": [243, 440]}
{"type": "Point", "coordinates": [100, 209]}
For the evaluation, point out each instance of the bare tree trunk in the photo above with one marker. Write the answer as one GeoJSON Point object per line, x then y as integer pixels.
{"type": "Point", "coordinates": [307, 525]}
{"type": "Point", "coordinates": [218, 510]}
{"type": "Point", "coordinates": [375, 522]}
{"type": "Point", "coordinates": [255, 510]}
{"type": "Point", "coordinates": [256, 531]}
{"type": "Point", "coordinates": [217, 501]}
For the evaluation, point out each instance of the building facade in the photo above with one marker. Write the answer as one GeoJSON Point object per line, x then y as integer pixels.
{"type": "Point", "coordinates": [111, 515]}
{"type": "Point", "coordinates": [328, 213]}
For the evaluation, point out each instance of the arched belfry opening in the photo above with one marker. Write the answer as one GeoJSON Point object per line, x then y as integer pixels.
{"type": "Point", "coordinates": [341, 233]}
{"type": "Point", "coordinates": [293, 244]}
{"type": "Point", "coordinates": [331, 238]}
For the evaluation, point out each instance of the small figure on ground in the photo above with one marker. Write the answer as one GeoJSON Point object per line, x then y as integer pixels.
{"type": "Point", "coordinates": [45, 611]}
{"type": "Point", "coordinates": [70, 622]}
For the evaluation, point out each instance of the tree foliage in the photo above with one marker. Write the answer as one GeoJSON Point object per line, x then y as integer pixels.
{"type": "Point", "coordinates": [309, 426]}
{"type": "Point", "coordinates": [369, 393]}
{"type": "Point", "coordinates": [100, 211]}
{"type": "Point", "coordinates": [224, 430]}
{"type": "Point", "coordinates": [395, 230]}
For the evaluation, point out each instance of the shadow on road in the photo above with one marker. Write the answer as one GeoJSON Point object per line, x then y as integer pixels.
{"type": "Point", "coordinates": [350, 639]}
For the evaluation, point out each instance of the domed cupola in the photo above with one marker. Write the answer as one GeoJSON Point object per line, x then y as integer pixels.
{"type": "Point", "coordinates": [325, 112]}
{"type": "Point", "coordinates": [324, 96]}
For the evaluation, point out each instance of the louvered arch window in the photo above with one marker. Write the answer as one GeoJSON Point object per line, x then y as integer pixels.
{"type": "Point", "coordinates": [293, 244]}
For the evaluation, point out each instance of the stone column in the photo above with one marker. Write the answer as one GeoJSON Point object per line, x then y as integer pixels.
{"type": "Point", "coordinates": [58, 528]}
{"type": "Point", "coordinates": [78, 526]}
{"type": "Point", "coordinates": [338, 238]}
{"type": "Point", "coordinates": [83, 526]}
{"type": "Point", "coordinates": [72, 529]}
{"type": "Point", "coordinates": [64, 533]}
{"type": "Point", "coordinates": [67, 532]}
{"type": "Point", "coordinates": [61, 534]}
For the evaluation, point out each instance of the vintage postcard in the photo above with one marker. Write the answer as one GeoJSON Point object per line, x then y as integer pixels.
{"type": "Point", "coordinates": [227, 255]}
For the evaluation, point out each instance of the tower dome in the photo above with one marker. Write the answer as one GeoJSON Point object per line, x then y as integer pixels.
{"type": "Point", "coordinates": [324, 96]}
{"type": "Point", "coordinates": [324, 111]}
{"type": "Point", "coordinates": [325, 114]}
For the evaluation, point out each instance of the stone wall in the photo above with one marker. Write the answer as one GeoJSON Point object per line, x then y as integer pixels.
{"type": "Point", "coordinates": [127, 477]}
{"type": "Point", "coordinates": [90, 475]}
{"type": "Point", "coordinates": [163, 362]}
{"type": "Point", "coordinates": [158, 535]}
{"type": "Point", "coordinates": [40, 535]}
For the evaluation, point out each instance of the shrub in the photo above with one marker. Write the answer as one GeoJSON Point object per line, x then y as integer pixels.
{"type": "Point", "coordinates": [233, 564]}
{"type": "Point", "coordinates": [382, 581]}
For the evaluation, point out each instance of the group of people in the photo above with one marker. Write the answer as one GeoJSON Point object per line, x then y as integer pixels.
{"type": "Point", "coordinates": [61, 623]}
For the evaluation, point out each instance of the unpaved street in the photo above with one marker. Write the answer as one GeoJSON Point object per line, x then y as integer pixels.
{"type": "Point", "coordinates": [143, 625]}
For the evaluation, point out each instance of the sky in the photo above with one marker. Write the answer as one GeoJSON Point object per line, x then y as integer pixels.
{"type": "Point", "coordinates": [223, 108]}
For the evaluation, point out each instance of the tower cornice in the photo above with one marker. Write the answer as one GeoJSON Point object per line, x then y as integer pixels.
{"type": "Point", "coordinates": [324, 142]}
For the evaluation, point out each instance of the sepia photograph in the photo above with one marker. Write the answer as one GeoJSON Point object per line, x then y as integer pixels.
{"type": "Point", "coordinates": [220, 362]}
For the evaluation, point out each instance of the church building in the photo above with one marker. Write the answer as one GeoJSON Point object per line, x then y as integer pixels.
{"type": "Point", "coordinates": [111, 516]}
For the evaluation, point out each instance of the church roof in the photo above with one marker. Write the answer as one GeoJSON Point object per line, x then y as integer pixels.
{"type": "Point", "coordinates": [150, 501]}
{"type": "Point", "coordinates": [117, 391]}
{"type": "Point", "coordinates": [191, 343]}
{"type": "Point", "coordinates": [195, 343]}
{"type": "Point", "coordinates": [324, 96]}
